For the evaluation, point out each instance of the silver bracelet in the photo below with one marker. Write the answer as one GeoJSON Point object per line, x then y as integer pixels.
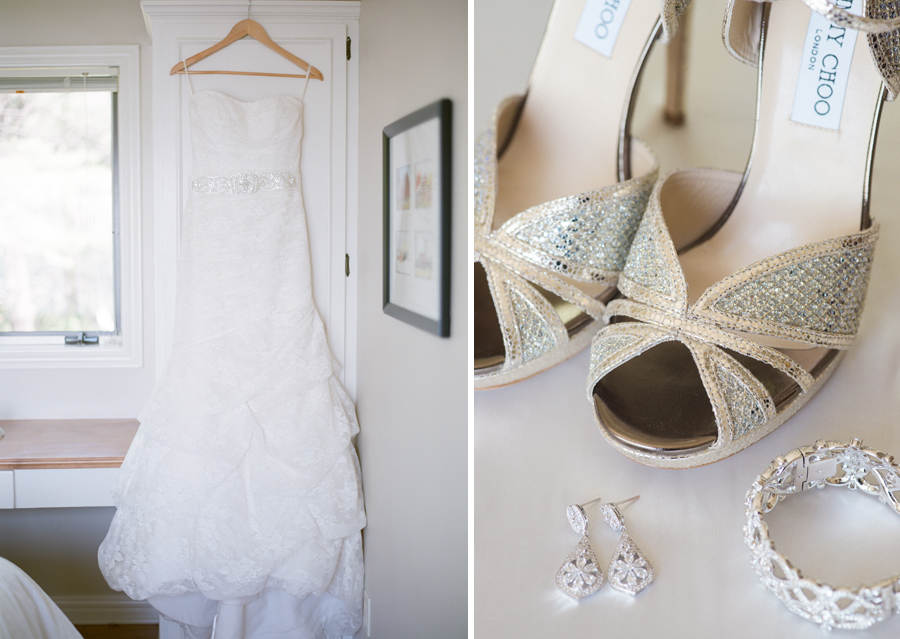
{"type": "Point", "coordinates": [825, 463]}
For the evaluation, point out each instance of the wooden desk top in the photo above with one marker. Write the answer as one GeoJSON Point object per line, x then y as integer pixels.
{"type": "Point", "coordinates": [65, 443]}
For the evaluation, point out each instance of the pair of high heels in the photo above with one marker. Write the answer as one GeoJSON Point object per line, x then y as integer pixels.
{"type": "Point", "coordinates": [738, 293]}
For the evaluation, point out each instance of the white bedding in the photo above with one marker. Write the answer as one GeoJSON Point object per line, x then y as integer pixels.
{"type": "Point", "coordinates": [26, 612]}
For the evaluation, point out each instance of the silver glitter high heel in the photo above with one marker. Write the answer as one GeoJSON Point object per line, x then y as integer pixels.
{"type": "Point", "coordinates": [547, 261]}
{"type": "Point", "coordinates": [723, 335]}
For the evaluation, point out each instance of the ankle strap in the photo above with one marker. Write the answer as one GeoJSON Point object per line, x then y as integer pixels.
{"type": "Point", "coordinates": [881, 22]}
{"type": "Point", "coordinates": [741, 27]}
{"type": "Point", "coordinates": [868, 23]}
{"type": "Point", "coordinates": [878, 16]}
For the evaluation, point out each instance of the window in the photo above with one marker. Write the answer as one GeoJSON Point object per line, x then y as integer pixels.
{"type": "Point", "coordinates": [69, 218]}
{"type": "Point", "coordinates": [58, 214]}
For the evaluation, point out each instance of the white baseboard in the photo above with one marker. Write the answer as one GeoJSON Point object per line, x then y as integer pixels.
{"type": "Point", "coordinates": [104, 609]}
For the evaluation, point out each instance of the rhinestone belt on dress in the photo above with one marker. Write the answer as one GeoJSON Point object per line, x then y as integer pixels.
{"type": "Point", "coordinates": [243, 183]}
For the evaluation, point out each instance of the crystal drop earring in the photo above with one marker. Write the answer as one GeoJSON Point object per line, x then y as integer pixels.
{"type": "Point", "coordinates": [580, 575]}
{"type": "Point", "coordinates": [629, 570]}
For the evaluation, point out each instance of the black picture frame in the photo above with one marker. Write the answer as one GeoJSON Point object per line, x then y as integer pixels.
{"type": "Point", "coordinates": [416, 165]}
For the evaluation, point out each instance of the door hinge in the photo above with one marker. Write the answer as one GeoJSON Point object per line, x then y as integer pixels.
{"type": "Point", "coordinates": [82, 339]}
{"type": "Point", "coordinates": [347, 264]}
{"type": "Point", "coordinates": [348, 47]}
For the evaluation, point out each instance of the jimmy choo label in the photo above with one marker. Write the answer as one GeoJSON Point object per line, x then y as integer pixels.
{"type": "Point", "coordinates": [600, 23]}
{"type": "Point", "coordinates": [824, 70]}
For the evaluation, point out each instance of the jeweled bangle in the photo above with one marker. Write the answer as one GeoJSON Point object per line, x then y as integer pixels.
{"type": "Point", "coordinates": [823, 464]}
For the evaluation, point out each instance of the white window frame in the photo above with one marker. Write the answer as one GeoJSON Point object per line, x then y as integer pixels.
{"type": "Point", "coordinates": [125, 349]}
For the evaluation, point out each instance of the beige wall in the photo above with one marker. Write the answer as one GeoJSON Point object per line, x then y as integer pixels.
{"type": "Point", "coordinates": [412, 385]}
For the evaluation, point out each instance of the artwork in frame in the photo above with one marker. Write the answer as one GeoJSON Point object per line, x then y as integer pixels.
{"type": "Point", "coordinates": [416, 165]}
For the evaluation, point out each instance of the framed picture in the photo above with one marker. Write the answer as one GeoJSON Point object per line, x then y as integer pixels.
{"type": "Point", "coordinates": [417, 218]}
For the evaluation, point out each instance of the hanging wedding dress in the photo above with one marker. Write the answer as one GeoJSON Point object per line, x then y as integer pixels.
{"type": "Point", "coordinates": [241, 491]}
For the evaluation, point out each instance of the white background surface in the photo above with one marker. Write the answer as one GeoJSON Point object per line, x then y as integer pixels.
{"type": "Point", "coordinates": [537, 449]}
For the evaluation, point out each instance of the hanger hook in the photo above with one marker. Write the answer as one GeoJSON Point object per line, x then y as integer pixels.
{"type": "Point", "coordinates": [248, 9]}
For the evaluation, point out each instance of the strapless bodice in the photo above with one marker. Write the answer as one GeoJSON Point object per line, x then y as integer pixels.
{"type": "Point", "coordinates": [230, 136]}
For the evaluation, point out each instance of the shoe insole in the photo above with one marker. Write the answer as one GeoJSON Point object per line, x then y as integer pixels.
{"type": "Point", "coordinates": [805, 185]}
{"type": "Point", "coordinates": [674, 414]}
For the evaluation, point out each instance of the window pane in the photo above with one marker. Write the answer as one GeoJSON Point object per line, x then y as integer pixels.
{"type": "Point", "coordinates": [56, 212]}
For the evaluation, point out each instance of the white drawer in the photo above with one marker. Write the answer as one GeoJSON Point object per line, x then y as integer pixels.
{"type": "Point", "coordinates": [7, 491]}
{"type": "Point", "coordinates": [63, 488]}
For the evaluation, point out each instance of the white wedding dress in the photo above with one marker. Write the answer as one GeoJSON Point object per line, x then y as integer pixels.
{"type": "Point", "coordinates": [242, 484]}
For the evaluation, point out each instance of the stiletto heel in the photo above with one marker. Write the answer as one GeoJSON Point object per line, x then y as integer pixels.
{"type": "Point", "coordinates": [724, 334]}
{"type": "Point", "coordinates": [676, 67]}
{"type": "Point", "coordinates": [547, 261]}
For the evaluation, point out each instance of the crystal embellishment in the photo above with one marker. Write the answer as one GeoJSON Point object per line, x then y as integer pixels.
{"type": "Point", "coordinates": [580, 575]}
{"type": "Point", "coordinates": [854, 463]}
{"type": "Point", "coordinates": [629, 571]}
{"type": "Point", "coordinates": [862, 469]}
{"type": "Point", "coordinates": [612, 516]}
{"type": "Point", "coordinates": [244, 183]}
{"type": "Point", "coordinates": [577, 519]}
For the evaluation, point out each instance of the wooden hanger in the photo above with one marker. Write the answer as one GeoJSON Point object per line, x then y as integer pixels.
{"type": "Point", "coordinates": [253, 29]}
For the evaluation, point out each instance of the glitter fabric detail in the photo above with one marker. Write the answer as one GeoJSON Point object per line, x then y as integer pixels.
{"type": "Point", "coordinates": [485, 150]}
{"type": "Point", "coordinates": [585, 236]}
{"type": "Point", "coordinates": [646, 263]}
{"type": "Point", "coordinates": [542, 278]}
{"type": "Point", "coordinates": [813, 295]}
{"type": "Point", "coordinates": [606, 345]}
{"type": "Point", "coordinates": [825, 293]}
{"type": "Point", "coordinates": [243, 183]}
{"type": "Point", "coordinates": [485, 160]}
{"type": "Point", "coordinates": [536, 337]}
{"type": "Point", "coordinates": [744, 408]}
{"type": "Point", "coordinates": [553, 247]}
{"type": "Point", "coordinates": [885, 47]}
{"type": "Point", "coordinates": [662, 326]}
